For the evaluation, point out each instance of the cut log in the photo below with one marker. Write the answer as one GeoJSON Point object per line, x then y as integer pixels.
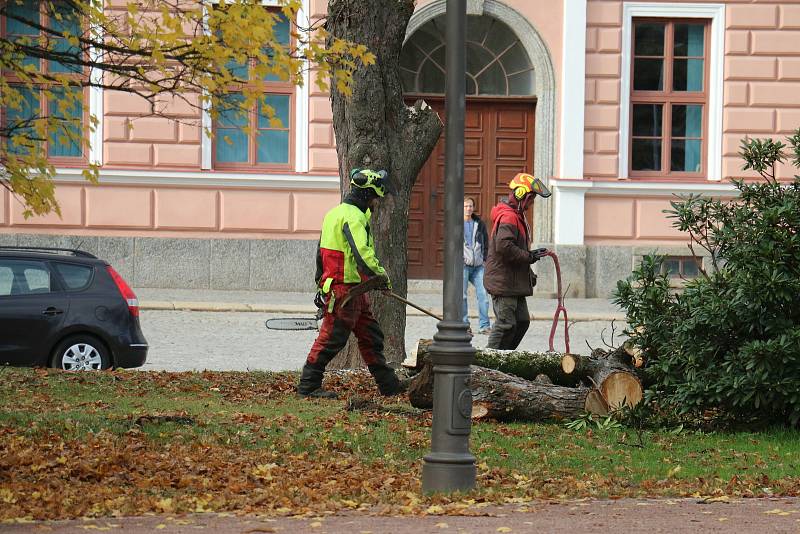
{"type": "Point", "coordinates": [524, 364]}
{"type": "Point", "coordinates": [615, 381]}
{"type": "Point", "coordinates": [637, 358]}
{"type": "Point", "coordinates": [510, 398]}
{"type": "Point", "coordinates": [527, 365]}
{"type": "Point", "coordinates": [501, 396]}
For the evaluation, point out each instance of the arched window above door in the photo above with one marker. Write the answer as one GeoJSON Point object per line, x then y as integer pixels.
{"type": "Point", "coordinates": [497, 63]}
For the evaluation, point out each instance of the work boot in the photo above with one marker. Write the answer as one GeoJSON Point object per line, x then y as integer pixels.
{"type": "Point", "coordinates": [385, 377]}
{"type": "Point", "coordinates": [318, 394]}
{"type": "Point", "coordinates": [310, 379]}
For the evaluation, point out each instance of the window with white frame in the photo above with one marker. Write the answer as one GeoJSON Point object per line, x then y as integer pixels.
{"type": "Point", "coordinates": [668, 98]}
{"type": "Point", "coordinates": [262, 136]}
{"type": "Point", "coordinates": [34, 23]}
{"type": "Point", "coordinates": [671, 98]}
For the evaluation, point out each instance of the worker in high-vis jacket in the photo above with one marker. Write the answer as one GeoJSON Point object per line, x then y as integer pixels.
{"type": "Point", "coordinates": [345, 258]}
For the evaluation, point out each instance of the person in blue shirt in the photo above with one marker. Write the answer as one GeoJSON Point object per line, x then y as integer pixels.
{"type": "Point", "coordinates": [475, 242]}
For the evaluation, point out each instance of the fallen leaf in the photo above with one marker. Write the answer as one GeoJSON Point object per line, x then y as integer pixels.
{"type": "Point", "coordinates": [712, 499]}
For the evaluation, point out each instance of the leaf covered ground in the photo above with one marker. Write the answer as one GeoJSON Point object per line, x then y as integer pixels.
{"type": "Point", "coordinates": [130, 443]}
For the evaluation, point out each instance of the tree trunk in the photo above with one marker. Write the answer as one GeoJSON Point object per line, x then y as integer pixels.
{"type": "Point", "coordinates": [527, 365]}
{"type": "Point", "coordinates": [504, 397]}
{"type": "Point", "coordinates": [374, 128]}
{"type": "Point", "coordinates": [612, 382]}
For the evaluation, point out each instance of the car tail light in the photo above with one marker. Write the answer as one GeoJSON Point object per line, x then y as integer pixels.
{"type": "Point", "coordinates": [126, 291]}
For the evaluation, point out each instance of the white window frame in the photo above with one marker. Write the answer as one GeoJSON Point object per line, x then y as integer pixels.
{"type": "Point", "coordinates": [713, 12]}
{"type": "Point", "coordinates": [573, 89]}
{"type": "Point", "coordinates": [96, 103]}
{"type": "Point", "coordinates": [300, 109]}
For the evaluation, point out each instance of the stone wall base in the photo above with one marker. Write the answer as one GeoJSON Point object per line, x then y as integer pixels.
{"type": "Point", "coordinates": [590, 271]}
{"type": "Point", "coordinates": [254, 264]}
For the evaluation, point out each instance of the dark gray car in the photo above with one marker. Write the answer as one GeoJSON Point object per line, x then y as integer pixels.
{"type": "Point", "coordinates": [66, 308]}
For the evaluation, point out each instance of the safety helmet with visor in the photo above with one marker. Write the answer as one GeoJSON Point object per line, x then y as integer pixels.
{"type": "Point", "coordinates": [367, 179]}
{"type": "Point", "coordinates": [524, 183]}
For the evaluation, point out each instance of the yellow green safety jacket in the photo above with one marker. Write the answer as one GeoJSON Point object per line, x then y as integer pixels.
{"type": "Point", "coordinates": [346, 252]}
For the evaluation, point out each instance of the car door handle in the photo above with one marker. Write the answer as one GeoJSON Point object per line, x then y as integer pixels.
{"type": "Point", "coordinates": [52, 311]}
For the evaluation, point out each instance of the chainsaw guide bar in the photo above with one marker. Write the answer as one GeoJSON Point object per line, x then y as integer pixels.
{"type": "Point", "coordinates": [292, 323]}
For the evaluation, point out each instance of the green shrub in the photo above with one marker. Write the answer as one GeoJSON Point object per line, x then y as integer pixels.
{"type": "Point", "coordinates": [730, 341]}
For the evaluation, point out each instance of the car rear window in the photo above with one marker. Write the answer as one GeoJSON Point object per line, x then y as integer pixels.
{"type": "Point", "coordinates": [74, 276]}
{"type": "Point", "coordinates": [23, 277]}
{"type": "Point", "coordinates": [6, 280]}
{"type": "Point", "coordinates": [38, 279]}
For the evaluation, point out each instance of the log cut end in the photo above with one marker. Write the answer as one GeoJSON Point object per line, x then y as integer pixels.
{"type": "Point", "coordinates": [595, 403]}
{"type": "Point", "coordinates": [637, 358]}
{"type": "Point", "coordinates": [411, 361]}
{"type": "Point", "coordinates": [568, 363]}
{"type": "Point", "coordinates": [621, 388]}
{"type": "Point", "coordinates": [479, 410]}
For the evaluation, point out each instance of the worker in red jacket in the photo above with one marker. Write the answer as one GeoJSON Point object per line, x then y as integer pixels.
{"type": "Point", "coordinates": [508, 277]}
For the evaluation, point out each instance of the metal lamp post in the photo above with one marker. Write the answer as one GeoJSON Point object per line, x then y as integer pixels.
{"type": "Point", "coordinates": [450, 466]}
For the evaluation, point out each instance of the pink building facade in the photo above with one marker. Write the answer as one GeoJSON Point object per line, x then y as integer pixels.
{"type": "Point", "coordinates": [631, 103]}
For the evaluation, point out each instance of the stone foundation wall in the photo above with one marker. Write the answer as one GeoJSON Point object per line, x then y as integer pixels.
{"type": "Point", "coordinates": [590, 271]}
{"type": "Point", "coordinates": [285, 265]}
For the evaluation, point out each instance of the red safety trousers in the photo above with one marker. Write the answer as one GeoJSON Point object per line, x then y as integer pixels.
{"type": "Point", "coordinates": [356, 317]}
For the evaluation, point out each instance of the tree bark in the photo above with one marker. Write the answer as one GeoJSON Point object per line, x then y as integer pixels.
{"type": "Point", "coordinates": [524, 364]}
{"type": "Point", "coordinates": [504, 397]}
{"type": "Point", "coordinates": [374, 128]}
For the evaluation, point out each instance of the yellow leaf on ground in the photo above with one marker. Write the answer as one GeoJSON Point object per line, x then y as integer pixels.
{"type": "Point", "coordinates": [504, 529]}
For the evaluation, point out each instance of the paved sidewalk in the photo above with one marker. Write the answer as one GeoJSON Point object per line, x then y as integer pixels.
{"type": "Point", "coordinates": [302, 303]}
{"type": "Point", "coordinates": [650, 516]}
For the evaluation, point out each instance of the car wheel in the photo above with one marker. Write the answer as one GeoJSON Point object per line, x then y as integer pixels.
{"type": "Point", "coordinates": [81, 353]}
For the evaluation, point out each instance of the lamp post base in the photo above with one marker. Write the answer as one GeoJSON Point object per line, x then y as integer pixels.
{"type": "Point", "coordinates": [443, 472]}
{"type": "Point", "coordinates": [450, 466]}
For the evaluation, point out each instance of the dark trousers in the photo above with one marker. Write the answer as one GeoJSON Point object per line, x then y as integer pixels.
{"type": "Point", "coordinates": [355, 317]}
{"type": "Point", "coordinates": [512, 321]}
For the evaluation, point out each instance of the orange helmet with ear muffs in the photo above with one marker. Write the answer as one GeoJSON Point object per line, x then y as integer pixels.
{"type": "Point", "coordinates": [524, 183]}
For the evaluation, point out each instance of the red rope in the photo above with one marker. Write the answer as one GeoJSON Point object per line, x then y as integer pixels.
{"type": "Point", "coordinates": [560, 307]}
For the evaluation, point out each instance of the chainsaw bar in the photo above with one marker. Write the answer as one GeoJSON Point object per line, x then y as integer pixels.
{"type": "Point", "coordinates": [292, 323]}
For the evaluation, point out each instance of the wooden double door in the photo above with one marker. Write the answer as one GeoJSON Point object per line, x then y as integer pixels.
{"type": "Point", "coordinates": [499, 137]}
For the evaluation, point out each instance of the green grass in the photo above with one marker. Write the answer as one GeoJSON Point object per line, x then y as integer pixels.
{"type": "Point", "coordinates": [258, 415]}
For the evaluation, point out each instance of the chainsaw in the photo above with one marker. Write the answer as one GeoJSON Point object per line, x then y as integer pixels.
{"type": "Point", "coordinates": [307, 323]}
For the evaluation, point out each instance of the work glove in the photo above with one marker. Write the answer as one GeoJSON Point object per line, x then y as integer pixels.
{"type": "Point", "coordinates": [387, 283]}
{"type": "Point", "coordinates": [319, 302]}
{"type": "Point", "coordinates": [537, 254]}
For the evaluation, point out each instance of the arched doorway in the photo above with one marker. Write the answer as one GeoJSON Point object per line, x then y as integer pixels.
{"type": "Point", "coordinates": [499, 125]}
